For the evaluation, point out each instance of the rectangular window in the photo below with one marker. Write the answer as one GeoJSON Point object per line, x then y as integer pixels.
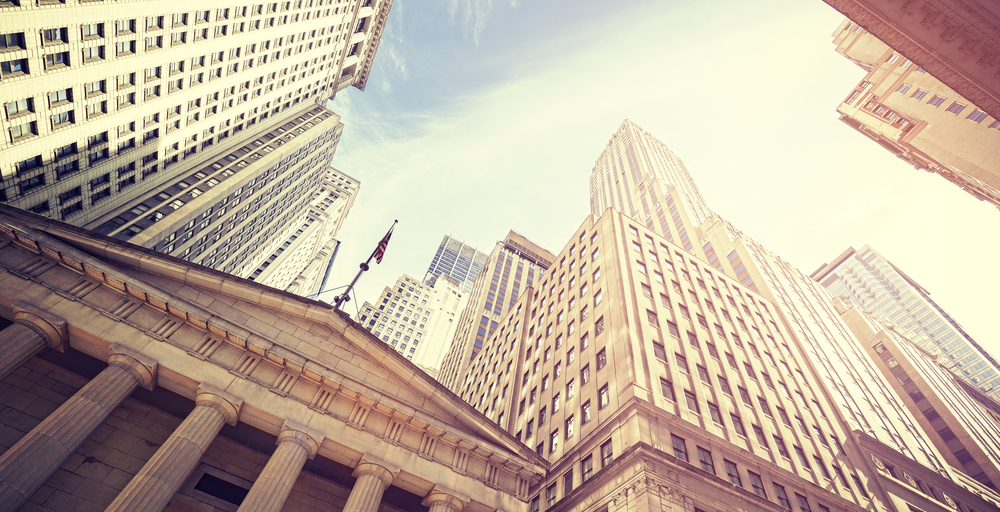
{"type": "Point", "coordinates": [680, 447]}
{"type": "Point", "coordinates": [956, 108]}
{"type": "Point", "coordinates": [779, 492]}
{"type": "Point", "coordinates": [681, 362]}
{"type": "Point", "coordinates": [903, 88]}
{"type": "Point", "coordinates": [705, 458]}
{"type": "Point", "coordinates": [607, 453]}
{"type": "Point", "coordinates": [585, 412]}
{"type": "Point", "coordinates": [977, 116]}
{"type": "Point", "coordinates": [587, 468]}
{"type": "Point", "coordinates": [692, 402]}
{"type": "Point", "coordinates": [733, 472]}
{"type": "Point", "coordinates": [780, 443]}
{"type": "Point", "coordinates": [713, 410]}
{"type": "Point", "coordinates": [919, 94]}
{"type": "Point", "coordinates": [604, 397]}
{"type": "Point", "coordinates": [757, 484]}
{"type": "Point", "coordinates": [667, 388]}
{"type": "Point", "coordinates": [803, 503]}
{"type": "Point", "coordinates": [936, 101]}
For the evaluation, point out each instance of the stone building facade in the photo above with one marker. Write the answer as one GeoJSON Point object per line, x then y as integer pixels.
{"type": "Point", "coordinates": [133, 380]}
{"type": "Point", "coordinates": [915, 115]}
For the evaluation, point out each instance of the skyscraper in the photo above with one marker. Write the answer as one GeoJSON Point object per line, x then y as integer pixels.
{"type": "Point", "coordinates": [873, 283]}
{"type": "Point", "coordinates": [301, 262]}
{"type": "Point", "coordinates": [418, 320]}
{"type": "Point", "coordinates": [911, 113]}
{"type": "Point", "coordinates": [515, 264]}
{"type": "Point", "coordinates": [458, 260]}
{"type": "Point", "coordinates": [114, 113]}
{"type": "Point", "coordinates": [645, 361]}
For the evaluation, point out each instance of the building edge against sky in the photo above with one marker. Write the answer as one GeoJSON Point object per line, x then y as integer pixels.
{"type": "Point", "coordinates": [912, 114]}
{"type": "Point", "coordinates": [417, 319]}
{"type": "Point", "coordinates": [532, 365]}
{"type": "Point", "coordinates": [176, 106]}
{"type": "Point", "coordinates": [874, 284]}
{"type": "Point", "coordinates": [458, 260]}
{"type": "Point", "coordinates": [955, 40]}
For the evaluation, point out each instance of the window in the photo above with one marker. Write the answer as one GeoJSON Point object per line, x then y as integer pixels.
{"type": "Point", "coordinates": [12, 41]}
{"type": "Point", "coordinates": [659, 352]}
{"type": "Point", "coordinates": [14, 67]}
{"type": "Point", "coordinates": [977, 116]}
{"type": "Point", "coordinates": [550, 496]}
{"type": "Point", "coordinates": [604, 397]}
{"type": "Point", "coordinates": [680, 447]}
{"type": "Point", "coordinates": [682, 362]}
{"type": "Point", "coordinates": [903, 88]}
{"type": "Point", "coordinates": [779, 492]}
{"type": "Point", "coordinates": [568, 482]}
{"type": "Point", "coordinates": [802, 456]}
{"type": "Point", "coordinates": [585, 375]}
{"type": "Point", "coordinates": [705, 458]}
{"type": "Point", "coordinates": [780, 443]}
{"type": "Point", "coordinates": [738, 424]}
{"type": "Point", "coordinates": [125, 48]}
{"type": "Point", "coordinates": [759, 434]}
{"type": "Point", "coordinates": [585, 412]}
{"type": "Point", "coordinates": [124, 26]}
{"type": "Point", "coordinates": [956, 108]}
{"type": "Point", "coordinates": [587, 468]}
{"type": "Point", "coordinates": [62, 119]}
{"type": "Point", "coordinates": [602, 359]}
{"type": "Point", "coordinates": [919, 94]}
{"type": "Point", "coordinates": [713, 410]}
{"type": "Point", "coordinates": [803, 503]}
{"type": "Point", "coordinates": [757, 484]}
{"type": "Point", "coordinates": [20, 107]}
{"type": "Point", "coordinates": [745, 395]}
{"type": "Point", "coordinates": [31, 183]}
{"type": "Point", "coordinates": [733, 472]}
{"type": "Point", "coordinates": [93, 53]}
{"type": "Point", "coordinates": [692, 402]}
{"type": "Point", "coordinates": [554, 441]}
{"type": "Point", "coordinates": [667, 388]}
{"type": "Point", "coordinates": [61, 96]}
{"type": "Point", "coordinates": [724, 385]}
{"type": "Point", "coordinates": [54, 35]}
{"type": "Point", "coordinates": [607, 453]}
{"type": "Point", "coordinates": [936, 101]}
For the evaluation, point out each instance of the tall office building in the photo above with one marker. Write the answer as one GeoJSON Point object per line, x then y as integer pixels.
{"type": "Point", "coordinates": [416, 319]}
{"type": "Point", "coordinates": [456, 259]}
{"type": "Point", "coordinates": [911, 113]}
{"type": "Point", "coordinates": [955, 40]}
{"type": "Point", "coordinates": [963, 422]}
{"type": "Point", "coordinates": [515, 264]}
{"type": "Point", "coordinates": [109, 106]}
{"type": "Point", "coordinates": [646, 364]}
{"type": "Point", "coordinates": [300, 264]}
{"type": "Point", "coordinates": [873, 283]}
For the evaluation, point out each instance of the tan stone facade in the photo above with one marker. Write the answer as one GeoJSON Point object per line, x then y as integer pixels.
{"type": "Point", "coordinates": [244, 391]}
{"type": "Point", "coordinates": [955, 40]}
{"type": "Point", "coordinates": [920, 119]}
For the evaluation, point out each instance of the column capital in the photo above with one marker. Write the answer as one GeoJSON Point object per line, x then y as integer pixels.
{"type": "Point", "coordinates": [225, 403]}
{"type": "Point", "coordinates": [143, 368]}
{"type": "Point", "coordinates": [297, 433]}
{"type": "Point", "coordinates": [378, 470]}
{"type": "Point", "coordinates": [51, 328]}
{"type": "Point", "coordinates": [443, 500]}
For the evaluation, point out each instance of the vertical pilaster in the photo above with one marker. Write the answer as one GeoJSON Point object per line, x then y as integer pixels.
{"type": "Point", "coordinates": [155, 484]}
{"type": "Point", "coordinates": [30, 462]}
{"type": "Point", "coordinates": [372, 481]}
{"type": "Point", "coordinates": [295, 444]}
{"type": "Point", "coordinates": [32, 331]}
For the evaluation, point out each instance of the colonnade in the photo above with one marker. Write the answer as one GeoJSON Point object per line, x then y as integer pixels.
{"type": "Point", "coordinates": [27, 465]}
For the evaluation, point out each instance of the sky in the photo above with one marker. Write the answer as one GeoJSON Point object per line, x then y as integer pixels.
{"type": "Point", "coordinates": [482, 116]}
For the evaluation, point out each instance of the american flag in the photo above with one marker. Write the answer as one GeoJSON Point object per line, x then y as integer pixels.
{"type": "Point", "coordinates": [380, 251]}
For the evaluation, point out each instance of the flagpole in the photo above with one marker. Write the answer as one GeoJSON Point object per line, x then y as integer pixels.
{"type": "Point", "coordinates": [344, 297]}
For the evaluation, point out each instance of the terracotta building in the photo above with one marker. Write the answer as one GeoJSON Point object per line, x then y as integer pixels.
{"type": "Point", "coordinates": [909, 111]}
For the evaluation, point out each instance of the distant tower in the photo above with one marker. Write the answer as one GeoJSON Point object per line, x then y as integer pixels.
{"type": "Point", "coordinates": [458, 260]}
{"type": "Point", "coordinates": [874, 284]}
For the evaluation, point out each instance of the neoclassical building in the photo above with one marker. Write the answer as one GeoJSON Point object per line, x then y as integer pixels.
{"type": "Point", "coordinates": [134, 380]}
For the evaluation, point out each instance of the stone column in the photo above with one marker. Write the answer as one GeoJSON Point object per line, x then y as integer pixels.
{"type": "Point", "coordinates": [30, 462]}
{"type": "Point", "coordinates": [440, 501]}
{"type": "Point", "coordinates": [32, 331]}
{"type": "Point", "coordinates": [155, 484]}
{"type": "Point", "coordinates": [296, 443]}
{"type": "Point", "coordinates": [367, 492]}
